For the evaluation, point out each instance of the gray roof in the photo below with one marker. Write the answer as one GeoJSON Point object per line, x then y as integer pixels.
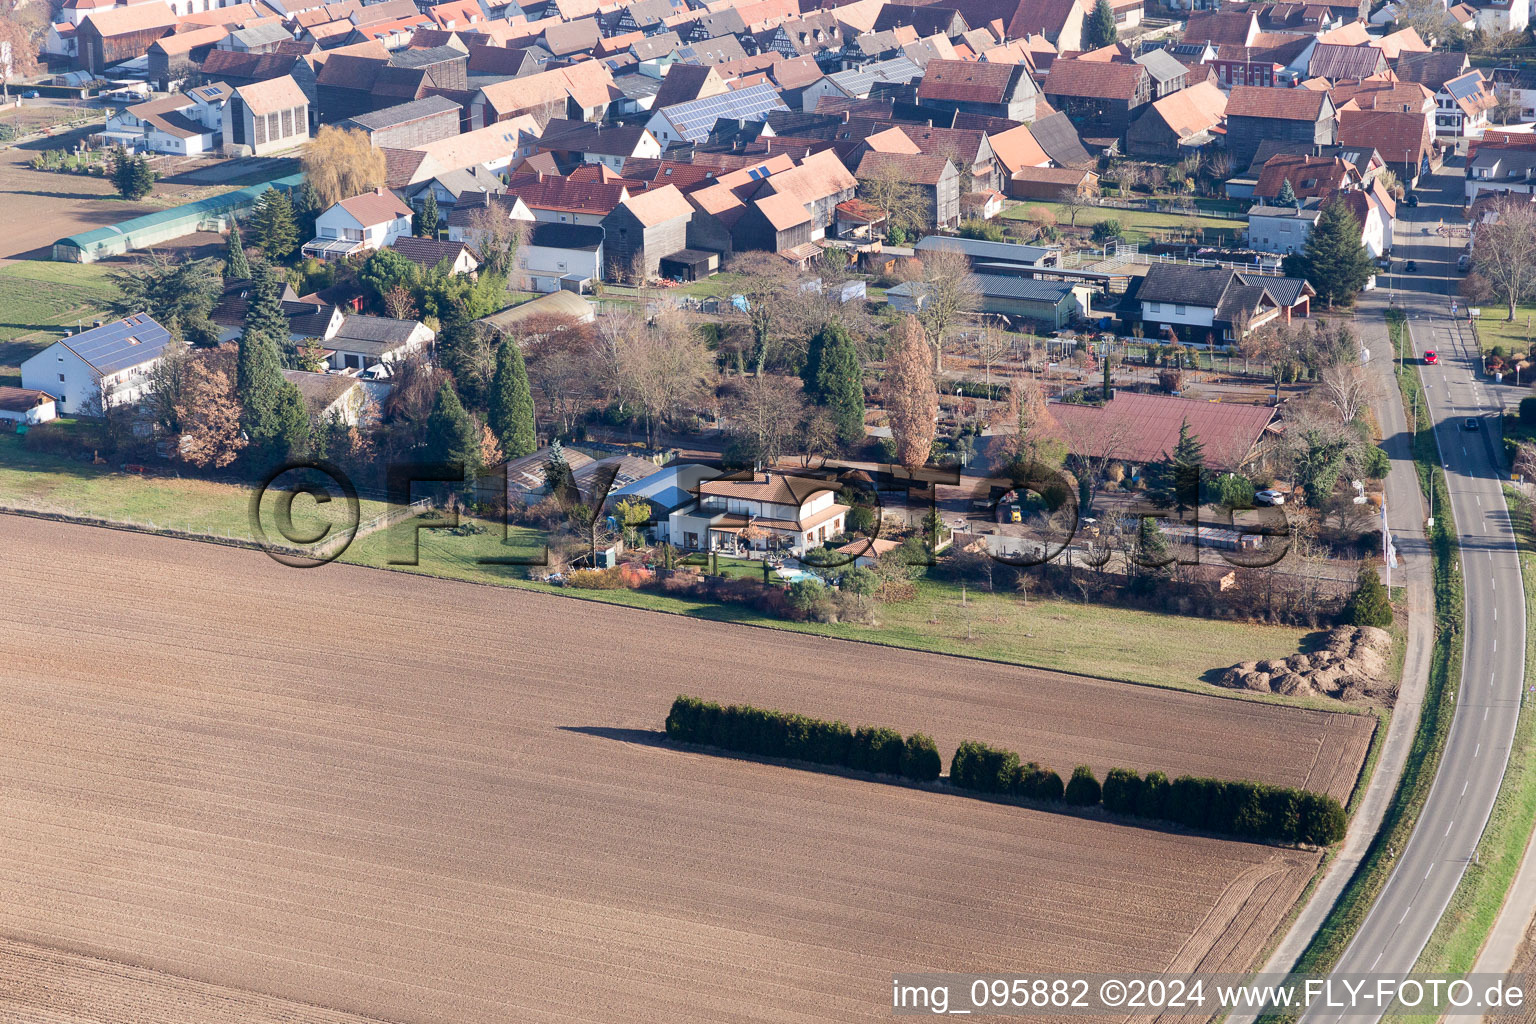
{"type": "Point", "coordinates": [260, 35]}
{"type": "Point", "coordinates": [979, 249]}
{"type": "Point", "coordinates": [1464, 86]}
{"type": "Point", "coordinates": [1286, 291]}
{"type": "Point", "coordinates": [378, 329]}
{"type": "Point", "coordinates": [858, 81]}
{"type": "Point", "coordinates": [1027, 288]}
{"type": "Point", "coordinates": [1177, 282]}
{"type": "Point", "coordinates": [131, 341]}
{"type": "Point", "coordinates": [1307, 213]}
{"type": "Point", "coordinates": [1161, 65]}
{"type": "Point", "coordinates": [425, 57]}
{"type": "Point", "coordinates": [320, 390]}
{"type": "Point", "coordinates": [403, 113]}
{"type": "Point", "coordinates": [1057, 136]}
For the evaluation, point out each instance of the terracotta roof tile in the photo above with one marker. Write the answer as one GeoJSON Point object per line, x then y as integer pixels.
{"type": "Point", "coordinates": [1282, 104]}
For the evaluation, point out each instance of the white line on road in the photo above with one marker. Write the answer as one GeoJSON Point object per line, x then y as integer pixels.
{"type": "Point", "coordinates": [1479, 750]}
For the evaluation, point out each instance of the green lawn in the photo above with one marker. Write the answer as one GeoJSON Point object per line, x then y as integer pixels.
{"type": "Point", "coordinates": [1098, 640]}
{"type": "Point", "coordinates": [39, 300]}
{"type": "Point", "coordinates": [45, 482]}
{"type": "Point", "coordinates": [1140, 226]}
{"type": "Point", "coordinates": [1494, 329]}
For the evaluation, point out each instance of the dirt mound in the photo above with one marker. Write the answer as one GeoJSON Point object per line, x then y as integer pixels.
{"type": "Point", "coordinates": [1350, 664]}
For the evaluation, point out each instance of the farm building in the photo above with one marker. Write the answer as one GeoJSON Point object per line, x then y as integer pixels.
{"type": "Point", "coordinates": [1145, 428]}
{"type": "Point", "coordinates": [211, 214]}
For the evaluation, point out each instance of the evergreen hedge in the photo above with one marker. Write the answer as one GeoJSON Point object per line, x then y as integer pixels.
{"type": "Point", "coordinates": [1250, 810]}
{"type": "Point", "coordinates": [765, 733]}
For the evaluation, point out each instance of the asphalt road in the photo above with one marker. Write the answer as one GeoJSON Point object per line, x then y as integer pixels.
{"type": "Point", "coordinates": [1488, 696]}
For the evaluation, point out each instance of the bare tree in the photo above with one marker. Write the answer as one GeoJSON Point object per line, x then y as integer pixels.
{"type": "Point", "coordinates": [899, 200]}
{"type": "Point", "coordinates": [1075, 203]}
{"type": "Point", "coordinates": [559, 355]}
{"type": "Point", "coordinates": [398, 303]}
{"type": "Point", "coordinates": [666, 367]}
{"type": "Point", "coordinates": [1505, 251]}
{"type": "Point", "coordinates": [770, 285]}
{"type": "Point", "coordinates": [767, 412]}
{"type": "Point", "coordinates": [909, 396]}
{"type": "Point", "coordinates": [949, 292]}
{"type": "Point", "coordinates": [1347, 387]}
{"type": "Point", "coordinates": [1093, 443]}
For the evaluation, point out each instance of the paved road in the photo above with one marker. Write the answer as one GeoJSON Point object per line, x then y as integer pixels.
{"type": "Point", "coordinates": [1488, 695]}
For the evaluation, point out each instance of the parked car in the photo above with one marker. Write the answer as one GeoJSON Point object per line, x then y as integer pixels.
{"type": "Point", "coordinates": [1410, 267]}
{"type": "Point", "coordinates": [1413, 199]}
{"type": "Point", "coordinates": [1471, 423]}
{"type": "Point", "coordinates": [1270, 497]}
{"type": "Point", "coordinates": [1463, 263]}
{"type": "Point", "coordinates": [31, 94]}
{"type": "Point", "coordinates": [1431, 357]}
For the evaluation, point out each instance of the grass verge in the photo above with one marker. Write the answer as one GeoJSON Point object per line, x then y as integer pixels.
{"type": "Point", "coordinates": [1456, 941]}
{"type": "Point", "coordinates": [1402, 814]}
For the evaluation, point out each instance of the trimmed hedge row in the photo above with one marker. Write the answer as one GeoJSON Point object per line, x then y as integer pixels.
{"type": "Point", "coordinates": [767, 733]}
{"type": "Point", "coordinates": [1251, 810]}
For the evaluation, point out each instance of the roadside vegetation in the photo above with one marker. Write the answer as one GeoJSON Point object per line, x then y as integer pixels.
{"type": "Point", "coordinates": [1423, 762]}
{"type": "Point", "coordinates": [1459, 937]}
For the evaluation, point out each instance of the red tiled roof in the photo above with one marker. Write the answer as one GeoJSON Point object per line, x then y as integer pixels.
{"type": "Point", "coordinates": [1093, 79]}
{"type": "Point", "coordinates": [1149, 426]}
{"type": "Point", "coordinates": [375, 207]}
{"type": "Point", "coordinates": [958, 81]}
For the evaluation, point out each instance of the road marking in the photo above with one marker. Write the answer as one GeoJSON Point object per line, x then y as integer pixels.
{"type": "Point", "coordinates": [1463, 789]}
{"type": "Point", "coordinates": [1447, 832]}
{"type": "Point", "coordinates": [1485, 714]}
{"type": "Point", "coordinates": [1479, 750]}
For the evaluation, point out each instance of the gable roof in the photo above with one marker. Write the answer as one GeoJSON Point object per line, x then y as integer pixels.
{"type": "Point", "coordinates": [1278, 103]}
{"type": "Point", "coordinates": [919, 168]}
{"type": "Point", "coordinates": [375, 207]}
{"type": "Point", "coordinates": [1058, 137]}
{"type": "Point", "coordinates": [1399, 136]}
{"type": "Point", "coordinates": [658, 205]}
{"type": "Point", "coordinates": [1150, 424]}
{"type": "Point", "coordinates": [121, 344]}
{"type": "Point", "coordinates": [121, 21]}
{"type": "Point", "coordinates": [684, 82]}
{"type": "Point", "coordinates": [1334, 61]}
{"type": "Point", "coordinates": [427, 252]}
{"type": "Point", "coordinates": [819, 176]}
{"type": "Point", "coordinates": [958, 81]}
{"type": "Point", "coordinates": [783, 211]}
{"type": "Point", "coordinates": [572, 37]}
{"type": "Point", "coordinates": [1093, 79]}
{"type": "Point", "coordinates": [1193, 110]}
{"type": "Point", "coordinates": [1016, 148]}
{"type": "Point", "coordinates": [272, 95]}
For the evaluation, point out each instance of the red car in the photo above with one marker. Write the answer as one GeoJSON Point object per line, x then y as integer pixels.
{"type": "Point", "coordinates": [1430, 357]}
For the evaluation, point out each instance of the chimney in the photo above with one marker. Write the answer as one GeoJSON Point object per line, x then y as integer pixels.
{"type": "Point", "coordinates": [378, 190]}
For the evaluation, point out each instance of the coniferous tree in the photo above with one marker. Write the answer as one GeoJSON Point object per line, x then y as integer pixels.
{"type": "Point", "coordinates": [1100, 29]}
{"type": "Point", "coordinates": [306, 207]}
{"type": "Point", "coordinates": [452, 435]}
{"type": "Point", "coordinates": [511, 404]}
{"type": "Point", "coordinates": [1175, 480]}
{"type": "Point", "coordinates": [236, 266]}
{"type": "Point", "coordinates": [427, 219]}
{"type": "Point", "coordinates": [273, 225]}
{"type": "Point", "coordinates": [1371, 606]}
{"type": "Point", "coordinates": [1334, 260]}
{"type": "Point", "coordinates": [810, 373]}
{"type": "Point", "coordinates": [1287, 196]}
{"type": "Point", "coordinates": [266, 415]}
{"type": "Point", "coordinates": [840, 386]}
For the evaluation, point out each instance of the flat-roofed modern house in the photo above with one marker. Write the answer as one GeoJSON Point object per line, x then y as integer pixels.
{"type": "Point", "coordinates": [266, 117]}
{"type": "Point", "coordinates": [768, 512]}
{"type": "Point", "coordinates": [105, 366]}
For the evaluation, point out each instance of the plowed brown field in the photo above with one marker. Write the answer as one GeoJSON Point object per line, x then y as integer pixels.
{"type": "Point", "coordinates": [227, 785]}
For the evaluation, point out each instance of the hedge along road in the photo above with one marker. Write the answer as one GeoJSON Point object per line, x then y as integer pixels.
{"type": "Point", "coordinates": [431, 801]}
{"type": "Point", "coordinates": [1493, 667]}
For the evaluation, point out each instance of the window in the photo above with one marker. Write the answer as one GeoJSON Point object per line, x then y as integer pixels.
{"type": "Point", "coordinates": [61, 378]}
{"type": "Point", "coordinates": [1179, 309]}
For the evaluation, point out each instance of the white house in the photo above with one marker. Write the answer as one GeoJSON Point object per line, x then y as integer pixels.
{"type": "Point", "coordinates": [769, 511]}
{"type": "Point", "coordinates": [556, 256]}
{"type": "Point", "coordinates": [334, 396]}
{"type": "Point", "coordinates": [1281, 229]}
{"type": "Point", "coordinates": [105, 366]}
{"type": "Point", "coordinates": [177, 124]}
{"type": "Point", "coordinates": [23, 405]}
{"type": "Point", "coordinates": [369, 221]}
{"type": "Point", "coordinates": [1462, 105]}
{"type": "Point", "coordinates": [671, 488]}
{"type": "Point", "coordinates": [1501, 169]}
{"type": "Point", "coordinates": [367, 344]}
{"type": "Point", "coordinates": [1500, 16]}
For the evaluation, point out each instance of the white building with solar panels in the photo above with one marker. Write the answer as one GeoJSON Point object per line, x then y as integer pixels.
{"type": "Point", "coordinates": [691, 122]}
{"type": "Point", "coordinates": [116, 358]}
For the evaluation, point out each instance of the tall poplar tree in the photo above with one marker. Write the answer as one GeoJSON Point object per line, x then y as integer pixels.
{"type": "Point", "coordinates": [511, 404]}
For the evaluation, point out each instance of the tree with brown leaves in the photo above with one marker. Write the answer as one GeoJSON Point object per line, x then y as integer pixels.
{"type": "Point", "coordinates": [909, 396]}
{"type": "Point", "coordinates": [209, 414]}
{"type": "Point", "coordinates": [340, 164]}
{"type": "Point", "coordinates": [666, 367]}
{"type": "Point", "coordinates": [398, 303]}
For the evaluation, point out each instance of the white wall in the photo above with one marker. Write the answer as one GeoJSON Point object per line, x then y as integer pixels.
{"type": "Point", "coordinates": [1280, 235]}
{"type": "Point", "coordinates": [74, 383]}
{"type": "Point", "coordinates": [546, 264]}
{"type": "Point", "coordinates": [1173, 313]}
